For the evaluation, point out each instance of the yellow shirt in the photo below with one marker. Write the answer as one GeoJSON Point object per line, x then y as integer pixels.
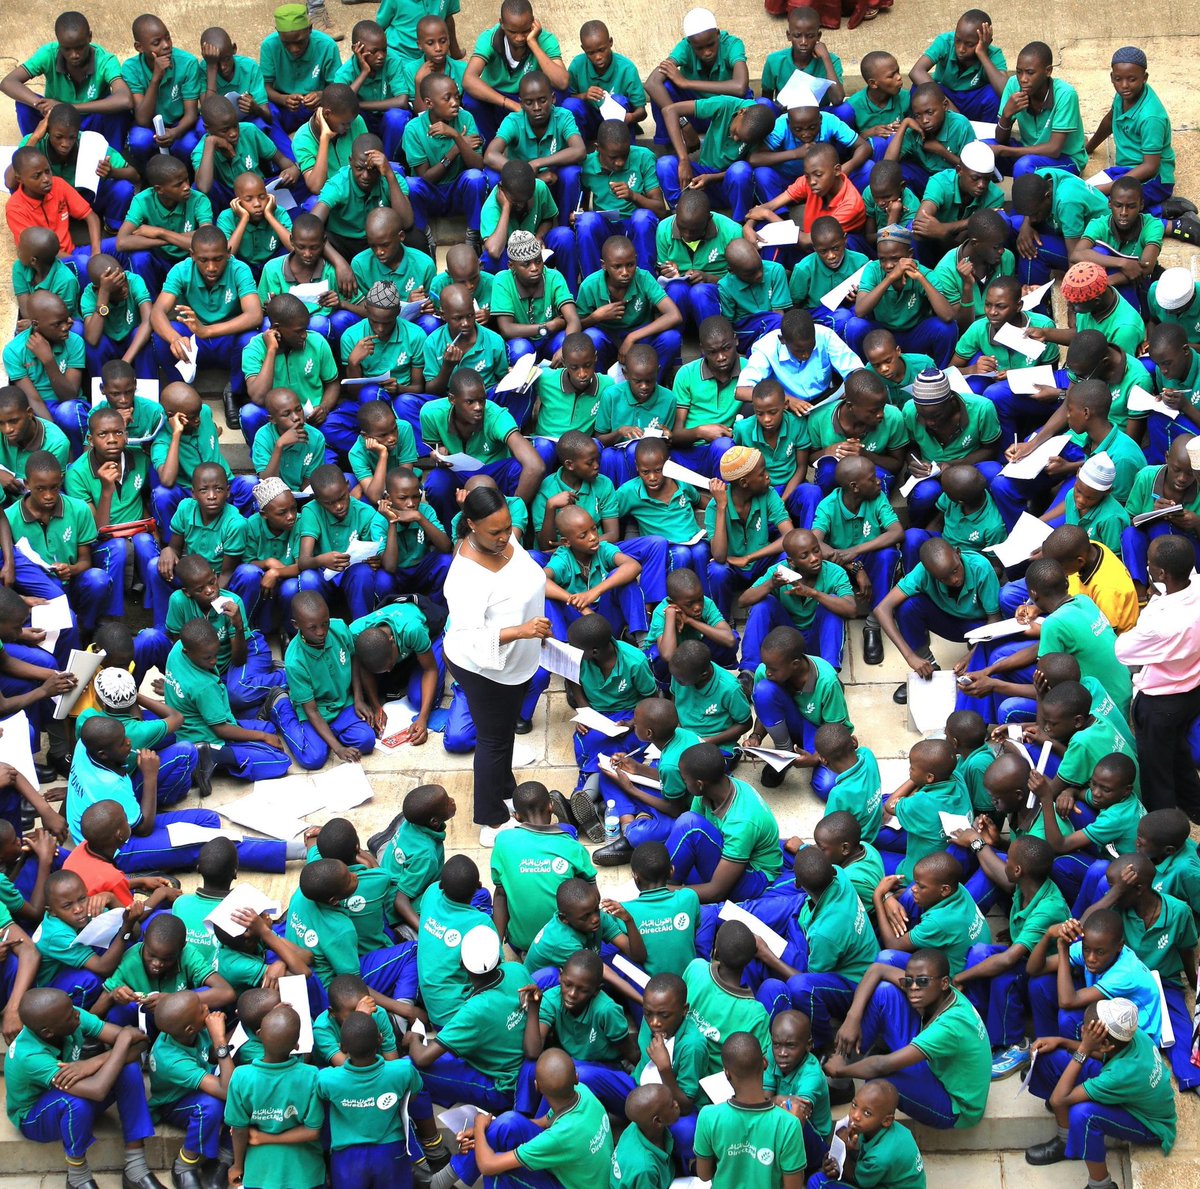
{"type": "Point", "coordinates": [1110, 587]}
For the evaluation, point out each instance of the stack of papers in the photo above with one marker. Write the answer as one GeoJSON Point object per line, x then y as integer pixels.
{"type": "Point", "coordinates": [1023, 542]}
{"type": "Point", "coordinates": [1155, 514]}
{"type": "Point", "coordinates": [560, 658]}
{"type": "Point", "coordinates": [838, 294]}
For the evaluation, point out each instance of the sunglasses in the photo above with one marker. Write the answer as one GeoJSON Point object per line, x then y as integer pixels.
{"type": "Point", "coordinates": [921, 981]}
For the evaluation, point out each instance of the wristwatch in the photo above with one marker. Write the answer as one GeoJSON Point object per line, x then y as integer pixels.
{"type": "Point", "coordinates": [1078, 1057]}
{"type": "Point", "coordinates": [223, 1051]}
{"type": "Point", "coordinates": [103, 311]}
{"type": "Point", "coordinates": [978, 845]}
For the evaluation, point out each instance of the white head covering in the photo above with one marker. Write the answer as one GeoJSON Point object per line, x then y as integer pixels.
{"type": "Point", "coordinates": [480, 949]}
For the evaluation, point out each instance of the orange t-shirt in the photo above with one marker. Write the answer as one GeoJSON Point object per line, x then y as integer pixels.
{"type": "Point", "coordinates": [846, 206]}
{"type": "Point", "coordinates": [99, 875]}
{"type": "Point", "coordinates": [55, 211]}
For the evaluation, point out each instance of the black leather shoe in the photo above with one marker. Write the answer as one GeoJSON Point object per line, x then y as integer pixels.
{"type": "Point", "coordinates": [60, 761]}
{"type": "Point", "coordinates": [233, 414]}
{"type": "Point", "coordinates": [150, 1181]}
{"type": "Point", "coordinates": [562, 808]}
{"type": "Point", "coordinates": [216, 1176]}
{"type": "Point", "coordinates": [771, 778]}
{"type": "Point", "coordinates": [616, 854]}
{"type": "Point", "coordinates": [587, 816]}
{"type": "Point", "coordinates": [377, 842]}
{"type": "Point", "coordinates": [188, 1177]}
{"type": "Point", "coordinates": [900, 697]}
{"type": "Point", "coordinates": [204, 770]}
{"type": "Point", "coordinates": [523, 727]}
{"type": "Point", "coordinates": [89, 1184]}
{"type": "Point", "coordinates": [46, 773]}
{"type": "Point", "coordinates": [1051, 1152]}
{"type": "Point", "coordinates": [872, 645]}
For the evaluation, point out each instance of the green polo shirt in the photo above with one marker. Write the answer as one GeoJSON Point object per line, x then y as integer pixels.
{"type": "Point", "coordinates": [308, 72]}
{"type": "Point", "coordinates": [1188, 316]}
{"type": "Point", "coordinates": [745, 534]}
{"type": "Point", "coordinates": [978, 598]}
{"type": "Point", "coordinates": [1027, 923]}
{"type": "Point", "coordinates": [57, 946]}
{"type": "Point", "coordinates": [361, 523]}
{"type": "Point", "coordinates": [620, 78]}
{"type": "Point", "coordinates": [1122, 326]}
{"type": "Point", "coordinates": [1116, 825]}
{"type": "Point", "coordinates": [956, 1045]}
{"type": "Point", "coordinates": [147, 210]}
{"type": "Point", "coordinates": [779, 67]}
{"type": "Point", "coordinates": [399, 18]}
{"type": "Point", "coordinates": [254, 149]}
{"type": "Point", "coordinates": [180, 609]}
{"type": "Point", "coordinates": [412, 270]}
{"type": "Point", "coordinates": [556, 941]}
{"type": "Point", "coordinates": [32, 1063]}
{"type": "Point", "coordinates": [730, 51]}
{"type": "Point", "coordinates": [971, 530]}
{"type": "Point", "coordinates": [123, 316]}
{"type": "Point", "coordinates": [304, 371]}
{"type": "Point", "coordinates": [1137, 1080]}
{"type": "Point", "coordinates": [542, 306]}
{"type": "Point", "coordinates": [843, 529]}
{"type": "Point", "coordinates": [423, 148]}
{"type": "Point", "coordinates": [749, 830]}
{"type": "Point", "coordinates": [411, 542]}
{"type": "Point", "coordinates": [529, 863]}
{"type": "Point", "coordinates": [488, 444]}
{"type": "Point", "coordinates": [191, 909]}
{"type": "Point", "coordinates": [780, 458]}
{"type": "Point", "coordinates": [1126, 456]}
{"type": "Point", "coordinates": [321, 675]}
{"type": "Point", "coordinates": [859, 792]}
{"type": "Point", "coordinates": [327, 1035]}
{"type": "Point", "coordinates": [452, 68]}
{"type": "Point", "coordinates": [576, 1148]}
{"type": "Point", "coordinates": [977, 340]}
{"type": "Point", "coordinates": [1073, 203]}
{"type": "Point", "coordinates": [835, 926]}
{"type": "Point", "coordinates": [349, 204]}
{"type": "Point", "coordinates": [830, 579]}
{"type": "Point", "coordinates": [20, 363]}
{"type": "Point", "coordinates": [1160, 943]}
{"type": "Point", "coordinates": [712, 707]}
{"type": "Point", "coordinates": [706, 400]}
{"type": "Point", "coordinates": [734, 1134]}
{"type": "Point", "coordinates": [639, 1164]}
{"type": "Point", "coordinates": [488, 1030]}
{"type": "Point", "coordinates": [1080, 628]}
{"type": "Point", "coordinates": [1147, 487]}
{"type": "Point", "coordinates": [708, 256]}
{"type": "Point", "coordinates": [362, 460]}
{"type": "Point", "coordinates": [1104, 523]}
{"type": "Point", "coordinates": [488, 356]}
{"type": "Point", "coordinates": [497, 72]}
{"type": "Point", "coordinates": [15, 458]}
{"type": "Point", "coordinates": [918, 816]}
{"type": "Point", "coordinates": [718, 149]}
{"type": "Point", "coordinates": [215, 540]}
{"type": "Point", "coordinates": [297, 462]}
{"type": "Point", "coordinates": [396, 356]}
{"type": "Point", "coordinates": [177, 1069]}
{"type": "Point", "coordinates": [561, 408]}
{"type": "Point", "coordinates": [414, 856]}
{"type": "Point", "coordinates": [71, 525]}
{"type": "Point", "coordinates": [194, 967]}
{"type": "Point", "coordinates": [868, 115]}
{"type": "Point", "coordinates": [594, 1034]}
{"type": "Point", "coordinates": [890, 434]}
{"type": "Point", "coordinates": [952, 205]}
{"type": "Point", "coordinates": [306, 142]}
{"type": "Point", "coordinates": [822, 699]}
{"type": "Point", "coordinates": [717, 1011]}
{"type": "Point", "coordinates": [689, 1057]}
{"type": "Point", "coordinates": [639, 175]}
{"type": "Point", "coordinates": [327, 932]}
{"type": "Point", "coordinates": [129, 496]}
{"type": "Point", "coordinates": [262, 544]}
{"type": "Point", "coordinates": [1061, 115]}
{"type": "Point", "coordinates": [981, 428]}
{"type": "Point", "coordinates": [952, 925]}
{"type": "Point", "coordinates": [955, 135]}
{"type": "Point", "coordinates": [359, 1098]}
{"type": "Point", "coordinates": [631, 678]}
{"type": "Point", "coordinates": [806, 1081]}
{"type": "Point", "coordinates": [141, 732]}
{"type": "Point", "coordinates": [953, 75]}
{"type": "Point", "coordinates": [214, 303]}
{"type": "Point", "coordinates": [811, 279]}
{"type": "Point", "coordinates": [445, 986]}
{"type": "Point", "coordinates": [409, 629]}
{"type": "Point", "coordinates": [667, 919]}
{"type": "Point", "coordinates": [259, 243]}
{"type": "Point", "coordinates": [641, 300]}
{"type": "Point", "coordinates": [673, 518]}
{"type": "Point", "coordinates": [522, 143]}
{"type": "Point", "coordinates": [48, 63]}
{"type": "Point", "coordinates": [947, 280]}
{"type": "Point", "coordinates": [274, 279]}
{"type": "Point", "coordinates": [59, 280]}
{"type": "Point", "coordinates": [275, 1098]}
{"type": "Point", "coordinates": [1144, 130]}
{"type": "Point", "coordinates": [740, 301]}
{"type": "Point", "coordinates": [598, 498]}
{"type": "Point", "coordinates": [1147, 231]}
{"type": "Point", "coordinates": [184, 80]}
{"type": "Point", "coordinates": [199, 695]}
{"type": "Point", "coordinates": [619, 407]}
{"type": "Point", "coordinates": [897, 309]}
{"type": "Point", "coordinates": [542, 209]}
{"type": "Point", "coordinates": [386, 83]}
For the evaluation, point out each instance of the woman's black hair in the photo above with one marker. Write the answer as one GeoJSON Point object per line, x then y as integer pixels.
{"type": "Point", "coordinates": [480, 503]}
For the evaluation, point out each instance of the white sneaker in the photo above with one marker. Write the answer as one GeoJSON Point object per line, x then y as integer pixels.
{"type": "Point", "coordinates": [487, 834]}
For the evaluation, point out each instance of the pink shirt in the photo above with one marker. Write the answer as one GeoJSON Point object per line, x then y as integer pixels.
{"type": "Point", "coordinates": [1166, 641]}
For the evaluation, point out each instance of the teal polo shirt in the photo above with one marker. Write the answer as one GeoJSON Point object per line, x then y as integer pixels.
{"type": "Point", "coordinates": [978, 598]}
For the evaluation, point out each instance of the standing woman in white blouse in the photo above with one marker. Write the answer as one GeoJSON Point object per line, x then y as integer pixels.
{"type": "Point", "coordinates": [497, 598]}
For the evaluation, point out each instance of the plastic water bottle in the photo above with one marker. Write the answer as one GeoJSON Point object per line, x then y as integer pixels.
{"type": "Point", "coordinates": [612, 822]}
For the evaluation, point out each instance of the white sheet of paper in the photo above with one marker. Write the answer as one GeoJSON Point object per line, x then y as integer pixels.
{"type": "Point", "coordinates": [264, 819]}
{"type": "Point", "coordinates": [187, 367]}
{"type": "Point", "coordinates": [1034, 297]}
{"type": "Point", "coordinates": [160, 129]}
{"type": "Point", "coordinates": [781, 234]}
{"type": "Point", "coordinates": [285, 200]}
{"type": "Point", "coordinates": [358, 551]}
{"type": "Point", "coordinates": [221, 602]}
{"type": "Point", "coordinates": [623, 893]}
{"type": "Point", "coordinates": [606, 765]}
{"type": "Point", "coordinates": [995, 631]}
{"type": "Point", "coordinates": [776, 942]}
{"type": "Point", "coordinates": [189, 834]}
{"type": "Point", "coordinates": [563, 659]}
{"type": "Point", "coordinates": [521, 375]}
{"type": "Point", "coordinates": [359, 381]}
{"type": "Point", "coordinates": [146, 690]}
{"type": "Point", "coordinates": [837, 1150]}
{"type": "Point", "coordinates": [31, 554]}
{"type": "Point", "coordinates": [689, 1183]}
{"type": "Point", "coordinates": [616, 373]}
{"type": "Point", "coordinates": [100, 931]}
{"type": "Point", "coordinates": [717, 1087]}
{"type": "Point", "coordinates": [610, 109]}
{"type": "Point", "coordinates": [953, 822]}
{"type": "Point", "coordinates": [292, 795]}
{"type": "Point", "coordinates": [460, 464]}
{"type": "Point", "coordinates": [907, 486]}
{"type": "Point", "coordinates": [1044, 756]}
{"type": "Point", "coordinates": [293, 990]}
{"type": "Point", "coordinates": [417, 1027]}
{"type": "Point", "coordinates": [802, 90]}
{"type": "Point", "coordinates": [146, 389]}
{"type": "Point", "coordinates": [635, 974]}
{"type": "Point", "coordinates": [84, 666]}
{"type": "Point", "coordinates": [1027, 536]}
{"type": "Point", "coordinates": [15, 747]}
{"type": "Point", "coordinates": [1023, 1088]}
{"type": "Point", "coordinates": [1015, 339]}
{"type": "Point", "coordinates": [54, 616]}
{"type": "Point", "coordinates": [460, 1118]}
{"type": "Point", "coordinates": [931, 702]}
{"type": "Point", "coordinates": [840, 292]}
{"type": "Point", "coordinates": [1032, 465]}
{"type": "Point", "coordinates": [984, 131]}
{"type": "Point", "coordinates": [1168, 1029]}
{"type": "Point", "coordinates": [238, 1039]}
{"type": "Point", "coordinates": [958, 382]}
{"type": "Point", "coordinates": [1099, 179]}
{"type": "Point", "coordinates": [595, 721]}
{"type": "Point", "coordinates": [310, 290]}
{"type": "Point", "coordinates": [1024, 381]}
{"type": "Point", "coordinates": [344, 787]}
{"type": "Point", "coordinates": [777, 759]}
{"type": "Point", "coordinates": [1142, 401]}
{"type": "Point", "coordinates": [680, 473]}
{"type": "Point", "coordinates": [92, 150]}
{"type": "Point", "coordinates": [410, 311]}
{"type": "Point", "coordinates": [650, 1075]}
{"type": "Point", "coordinates": [243, 895]}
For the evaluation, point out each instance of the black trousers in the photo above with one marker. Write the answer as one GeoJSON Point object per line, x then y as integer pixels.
{"type": "Point", "coordinates": [495, 708]}
{"type": "Point", "coordinates": [1169, 778]}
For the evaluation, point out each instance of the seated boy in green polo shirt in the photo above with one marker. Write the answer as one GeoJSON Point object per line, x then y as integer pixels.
{"type": "Point", "coordinates": [255, 956]}
{"type": "Point", "coordinates": [613, 677]}
{"type": "Point", "coordinates": [669, 915]}
{"type": "Point", "coordinates": [422, 548]}
{"type": "Point", "coordinates": [230, 148]}
{"type": "Point", "coordinates": [687, 613]}
{"type": "Point", "coordinates": [348, 995]}
{"type": "Point", "coordinates": [157, 231]}
{"type": "Point", "coordinates": [879, 1151]}
{"type": "Point", "coordinates": [275, 1098]}
{"type": "Point", "coordinates": [636, 406]}
{"type": "Point", "coordinates": [287, 447]}
{"type": "Point", "coordinates": [682, 1064]}
{"type": "Point", "coordinates": [37, 266]}
{"type": "Point", "coordinates": [387, 259]}
{"type": "Point", "coordinates": [46, 360]}
{"type": "Point", "coordinates": [856, 785]}
{"type": "Point", "coordinates": [383, 443]}
{"type": "Point", "coordinates": [710, 701]}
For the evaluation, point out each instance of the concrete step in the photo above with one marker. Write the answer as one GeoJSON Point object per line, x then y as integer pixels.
{"type": "Point", "coordinates": [20, 1157]}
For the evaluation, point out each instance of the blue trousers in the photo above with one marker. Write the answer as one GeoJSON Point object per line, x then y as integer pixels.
{"type": "Point", "coordinates": [1091, 1123]}
{"type": "Point", "coordinates": [890, 1019]}
{"type": "Point", "coordinates": [1154, 191]}
{"type": "Point", "coordinates": [154, 852]}
{"type": "Point", "coordinates": [1002, 1000]}
{"type": "Point", "coordinates": [141, 146]}
{"type": "Point", "coordinates": [371, 1166]}
{"type": "Point", "coordinates": [592, 228]}
{"type": "Point", "coordinates": [587, 114]}
{"type": "Point", "coordinates": [441, 485]}
{"type": "Point", "coordinates": [459, 736]}
{"type": "Point", "coordinates": [361, 586]}
{"type": "Point", "coordinates": [609, 1084]}
{"type": "Point", "coordinates": [81, 986]}
{"type": "Point", "coordinates": [695, 302]}
{"type": "Point", "coordinates": [223, 353]}
{"type": "Point", "coordinates": [983, 656]}
{"type": "Point", "coordinates": [590, 745]}
{"type": "Point", "coordinates": [111, 556]}
{"type": "Point", "coordinates": [750, 329]}
{"type": "Point", "coordinates": [505, 1134]}
{"type": "Point", "coordinates": [392, 971]}
{"type": "Point", "coordinates": [308, 748]}
{"type": "Point", "coordinates": [59, 1117]}
{"type": "Point", "coordinates": [269, 611]}
{"type": "Point", "coordinates": [87, 593]}
{"type": "Point", "coordinates": [725, 580]}
{"type": "Point", "coordinates": [931, 336]}
{"type": "Point", "coordinates": [736, 191]}
{"type": "Point", "coordinates": [450, 1079]}
{"type": "Point", "coordinates": [202, 1119]}
{"type": "Point", "coordinates": [918, 615]}
{"type": "Point", "coordinates": [825, 637]}
{"type": "Point", "coordinates": [695, 847]}
{"type": "Point", "coordinates": [1135, 547]}
{"type": "Point", "coordinates": [144, 364]}
{"type": "Point", "coordinates": [177, 766]}
{"type": "Point", "coordinates": [778, 712]}
{"type": "Point", "coordinates": [979, 103]}
{"type": "Point", "coordinates": [465, 195]}
{"type": "Point", "coordinates": [666, 346]}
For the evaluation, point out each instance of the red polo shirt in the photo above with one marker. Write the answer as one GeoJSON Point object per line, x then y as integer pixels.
{"type": "Point", "coordinates": [62, 204]}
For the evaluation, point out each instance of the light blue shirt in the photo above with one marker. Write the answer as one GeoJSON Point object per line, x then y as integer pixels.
{"type": "Point", "coordinates": [808, 380]}
{"type": "Point", "coordinates": [833, 130]}
{"type": "Point", "coordinates": [1126, 978]}
{"type": "Point", "coordinates": [89, 783]}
